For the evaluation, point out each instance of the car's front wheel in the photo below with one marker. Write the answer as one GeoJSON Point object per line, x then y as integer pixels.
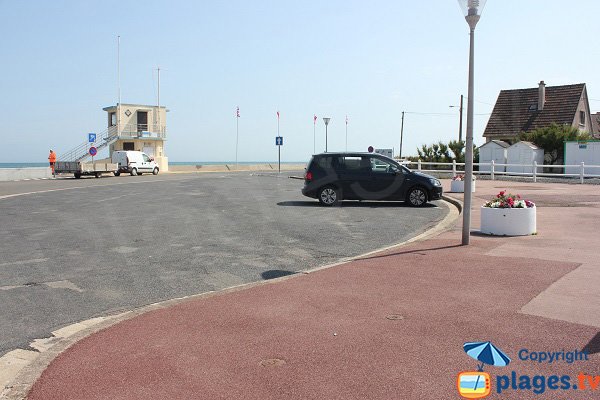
{"type": "Point", "coordinates": [329, 196]}
{"type": "Point", "coordinates": [416, 196]}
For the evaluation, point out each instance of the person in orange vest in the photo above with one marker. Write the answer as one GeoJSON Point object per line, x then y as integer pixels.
{"type": "Point", "coordinates": [52, 160]}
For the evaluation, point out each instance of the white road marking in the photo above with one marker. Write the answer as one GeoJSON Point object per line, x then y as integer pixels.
{"type": "Point", "coordinates": [24, 262]}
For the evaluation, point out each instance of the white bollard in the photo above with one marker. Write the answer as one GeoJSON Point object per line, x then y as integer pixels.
{"type": "Point", "coordinates": [492, 167]}
{"type": "Point", "coordinates": [582, 172]}
{"type": "Point", "coordinates": [534, 171]}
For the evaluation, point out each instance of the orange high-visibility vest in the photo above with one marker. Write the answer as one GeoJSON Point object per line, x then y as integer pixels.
{"type": "Point", "coordinates": [52, 157]}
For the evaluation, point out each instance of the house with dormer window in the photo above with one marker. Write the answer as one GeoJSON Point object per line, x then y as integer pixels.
{"type": "Point", "coordinates": [523, 110]}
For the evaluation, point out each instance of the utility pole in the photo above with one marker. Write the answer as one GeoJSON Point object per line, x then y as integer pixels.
{"type": "Point", "coordinates": [401, 136]}
{"type": "Point", "coordinates": [460, 123]}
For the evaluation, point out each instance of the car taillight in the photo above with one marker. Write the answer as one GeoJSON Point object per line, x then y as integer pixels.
{"type": "Point", "coordinates": [308, 176]}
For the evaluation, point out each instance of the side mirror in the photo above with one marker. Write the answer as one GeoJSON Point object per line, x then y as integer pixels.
{"type": "Point", "coordinates": [151, 158]}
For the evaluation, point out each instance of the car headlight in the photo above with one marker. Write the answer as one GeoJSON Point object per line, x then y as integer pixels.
{"type": "Point", "coordinates": [435, 182]}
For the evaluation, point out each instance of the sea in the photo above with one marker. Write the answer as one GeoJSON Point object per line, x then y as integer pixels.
{"type": "Point", "coordinates": [45, 164]}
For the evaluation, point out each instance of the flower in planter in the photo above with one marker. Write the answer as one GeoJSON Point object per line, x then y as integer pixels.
{"type": "Point", "coordinates": [460, 177]}
{"type": "Point", "coordinates": [508, 200]}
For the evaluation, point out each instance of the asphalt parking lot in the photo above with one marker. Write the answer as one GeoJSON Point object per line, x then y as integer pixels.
{"type": "Point", "coordinates": [77, 249]}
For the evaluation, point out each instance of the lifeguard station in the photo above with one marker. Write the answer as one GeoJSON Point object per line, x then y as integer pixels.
{"type": "Point", "coordinates": [130, 127]}
{"type": "Point", "coordinates": [141, 128]}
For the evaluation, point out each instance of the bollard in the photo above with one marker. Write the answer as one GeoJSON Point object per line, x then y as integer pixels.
{"type": "Point", "coordinates": [453, 168]}
{"type": "Point", "coordinates": [534, 171]}
{"type": "Point", "coordinates": [582, 172]}
{"type": "Point", "coordinates": [492, 166]}
{"type": "Point", "coordinates": [419, 164]}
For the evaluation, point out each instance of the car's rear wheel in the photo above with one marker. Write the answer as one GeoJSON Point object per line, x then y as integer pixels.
{"type": "Point", "coordinates": [329, 196]}
{"type": "Point", "coordinates": [417, 196]}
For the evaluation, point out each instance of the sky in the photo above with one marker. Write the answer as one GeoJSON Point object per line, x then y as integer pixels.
{"type": "Point", "coordinates": [369, 61]}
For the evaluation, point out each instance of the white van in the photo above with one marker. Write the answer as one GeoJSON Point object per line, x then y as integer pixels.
{"type": "Point", "coordinates": [134, 162]}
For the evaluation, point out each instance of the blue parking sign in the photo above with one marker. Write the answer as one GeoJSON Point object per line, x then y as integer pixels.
{"type": "Point", "coordinates": [91, 137]}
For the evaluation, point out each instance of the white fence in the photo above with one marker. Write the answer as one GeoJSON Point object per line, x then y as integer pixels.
{"type": "Point", "coordinates": [535, 170]}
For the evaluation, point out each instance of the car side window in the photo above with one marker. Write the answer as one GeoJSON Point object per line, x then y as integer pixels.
{"type": "Point", "coordinates": [324, 162]}
{"type": "Point", "coordinates": [356, 164]}
{"type": "Point", "coordinates": [380, 166]}
{"type": "Point", "coordinates": [146, 158]}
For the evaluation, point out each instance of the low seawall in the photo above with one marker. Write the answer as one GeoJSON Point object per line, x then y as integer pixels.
{"type": "Point", "coordinates": [16, 174]}
{"type": "Point", "coordinates": [232, 167]}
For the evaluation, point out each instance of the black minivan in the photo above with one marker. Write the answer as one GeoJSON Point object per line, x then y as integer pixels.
{"type": "Point", "coordinates": [332, 177]}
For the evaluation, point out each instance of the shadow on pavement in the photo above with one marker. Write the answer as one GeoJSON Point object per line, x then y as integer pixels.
{"type": "Point", "coordinates": [275, 273]}
{"type": "Point", "coordinates": [371, 204]}
{"type": "Point", "coordinates": [416, 251]}
{"type": "Point", "coordinates": [593, 347]}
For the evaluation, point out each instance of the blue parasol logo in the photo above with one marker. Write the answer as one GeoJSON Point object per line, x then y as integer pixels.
{"type": "Point", "coordinates": [486, 353]}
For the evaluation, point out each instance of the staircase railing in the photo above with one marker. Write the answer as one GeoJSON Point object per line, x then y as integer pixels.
{"type": "Point", "coordinates": [80, 152]}
{"type": "Point", "coordinates": [110, 135]}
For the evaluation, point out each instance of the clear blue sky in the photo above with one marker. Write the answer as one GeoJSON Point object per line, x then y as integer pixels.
{"type": "Point", "coordinates": [367, 60]}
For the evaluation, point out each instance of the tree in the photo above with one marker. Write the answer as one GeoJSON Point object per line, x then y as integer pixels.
{"type": "Point", "coordinates": [446, 153]}
{"type": "Point", "coordinates": [552, 139]}
{"type": "Point", "coordinates": [458, 149]}
{"type": "Point", "coordinates": [437, 152]}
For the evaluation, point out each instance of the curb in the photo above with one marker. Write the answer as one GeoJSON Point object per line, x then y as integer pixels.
{"type": "Point", "coordinates": [22, 368]}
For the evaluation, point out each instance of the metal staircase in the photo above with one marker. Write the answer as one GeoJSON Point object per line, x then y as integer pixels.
{"type": "Point", "coordinates": [80, 152]}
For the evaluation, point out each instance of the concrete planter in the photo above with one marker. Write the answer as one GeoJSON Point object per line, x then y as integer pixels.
{"type": "Point", "coordinates": [459, 187]}
{"type": "Point", "coordinates": [508, 221]}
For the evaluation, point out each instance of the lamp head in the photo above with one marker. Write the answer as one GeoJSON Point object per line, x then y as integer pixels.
{"type": "Point", "coordinates": [472, 10]}
{"type": "Point", "coordinates": [326, 120]}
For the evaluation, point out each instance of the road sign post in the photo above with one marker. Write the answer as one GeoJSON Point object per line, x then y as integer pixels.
{"type": "Point", "coordinates": [279, 143]}
{"type": "Point", "coordinates": [93, 151]}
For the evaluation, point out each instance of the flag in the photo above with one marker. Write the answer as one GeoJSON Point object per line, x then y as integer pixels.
{"type": "Point", "coordinates": [315, 119]}
{"type": "Point", "coordinates": [237, 113]}
{"type": "Point", "coordinates": [277, 114]}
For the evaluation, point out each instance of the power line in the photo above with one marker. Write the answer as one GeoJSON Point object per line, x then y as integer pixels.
{"type": "Point", "coordinates": [438, 114]}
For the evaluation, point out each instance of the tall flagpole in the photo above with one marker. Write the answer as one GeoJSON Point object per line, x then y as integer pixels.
{"type": "Point", "coordinates": [119, 85]}
{"type": "Point", "coordinates": [278, 147]}
{"type": "Point", "coordinates": [237, 134]}
{"type": "Point", "coordinates": [158, 98]}
{"type": "Point", "coordinates": [346, 133]}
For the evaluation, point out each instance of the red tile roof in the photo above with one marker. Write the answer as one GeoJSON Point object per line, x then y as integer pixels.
{"type": "Point", "coordinates": [516, 110]}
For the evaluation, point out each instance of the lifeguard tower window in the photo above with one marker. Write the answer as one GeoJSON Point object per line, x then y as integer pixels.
{"type": "Point", "coordinates": [128, 146]}
{"type": "Point", "coordinates": [112, 119]}
{"type": "Point", "coordinates": [142, 121]}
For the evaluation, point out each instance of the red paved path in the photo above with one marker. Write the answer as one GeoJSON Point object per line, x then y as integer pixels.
{"type": "Point", "coordinates": [331, 331]}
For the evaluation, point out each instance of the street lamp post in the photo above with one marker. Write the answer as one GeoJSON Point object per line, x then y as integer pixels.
{"type": "Point", "coordinates": [472, 11]}
{"type": "Point", "coordinates": [326, 120]}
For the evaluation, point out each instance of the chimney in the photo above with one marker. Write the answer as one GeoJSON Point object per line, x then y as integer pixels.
{"type": "Point", "coordinates": [541, 96]}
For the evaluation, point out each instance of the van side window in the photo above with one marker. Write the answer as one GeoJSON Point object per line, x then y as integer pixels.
{"type": "Point", "coordinates": [357, 164]}
{"type": "Point", "coordinates": [324, 162]}
{"type": "Point", "coordinates": [383, 166]}
{"type": "Point", "coordinates": [146, 158]}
